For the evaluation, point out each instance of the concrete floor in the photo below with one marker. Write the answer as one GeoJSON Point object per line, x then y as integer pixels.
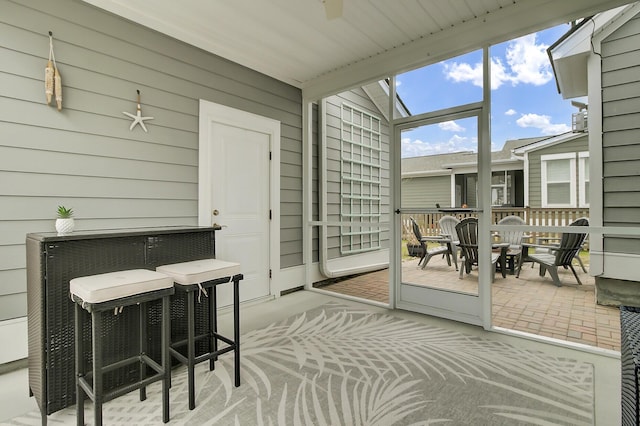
{"type": "Point", "coordinates": [14, 399]}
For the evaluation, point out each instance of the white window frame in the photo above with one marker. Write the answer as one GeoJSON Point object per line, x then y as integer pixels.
{"type": "Point", "coordinates": [571, 156]}
{"type": "Point", "coordinates": [505, 188]}
{"type": "Point", "coordinates": [583, 178]}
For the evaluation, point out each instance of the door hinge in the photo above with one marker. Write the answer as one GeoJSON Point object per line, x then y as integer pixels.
{"type": "Point", "coordinates": [269, 155]}
{"type": "Point", "coordinates": [270, 214]}
{"type": "Point", "coordinates": [270, 275]}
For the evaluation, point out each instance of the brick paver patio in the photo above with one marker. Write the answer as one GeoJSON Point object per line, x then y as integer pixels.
{"type": "Point", "coordinates": [531, 303]}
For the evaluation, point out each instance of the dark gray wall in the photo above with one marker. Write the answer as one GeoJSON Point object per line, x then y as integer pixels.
{"type": "Point", "coordinates": [85, 156]}
{"type": "Point", "coordinates": [621, 133]}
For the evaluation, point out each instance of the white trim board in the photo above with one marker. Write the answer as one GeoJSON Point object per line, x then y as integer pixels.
{"type": "Point", "coordinates": [13, 335]}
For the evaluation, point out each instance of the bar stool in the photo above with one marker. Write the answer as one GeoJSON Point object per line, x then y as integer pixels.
{"type": "Point", "coordinates": [201, 278]}
{"type": "Point", "coordinates": [116, 291]}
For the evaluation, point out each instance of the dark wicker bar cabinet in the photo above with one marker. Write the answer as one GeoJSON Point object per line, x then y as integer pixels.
{"type": "Point", "coordinates": [53, 260]}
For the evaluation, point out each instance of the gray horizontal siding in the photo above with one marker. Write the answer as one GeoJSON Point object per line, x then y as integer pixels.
{"type": "Point", "coordinates": [426, 192]}
{"type": "Point", "coordinates": [621, 133]}
{"type": "Point", "coordinates": [85, 156]}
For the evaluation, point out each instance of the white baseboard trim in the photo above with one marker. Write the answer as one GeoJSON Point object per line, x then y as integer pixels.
{"type": "Point", "coordinates": [620, 266]}
{"type": "Point", "coordinates": [14, 338]}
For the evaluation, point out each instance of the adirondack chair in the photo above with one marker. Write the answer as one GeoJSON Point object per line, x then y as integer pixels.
{"type": "Point", "coordinates": [514, 238]}
{"type": "Point", "coordinates": [557, 255]}
{"type": "Point", "coordinates": [444, 248]}
{"type": "Point", "coordinates": [467, 231]}
{"type": "Point", "coordinates": [448, 230]}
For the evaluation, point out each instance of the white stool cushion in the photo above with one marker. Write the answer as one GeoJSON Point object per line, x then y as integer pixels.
{"type": "Point", "coordinates": [115, 285]}
{"type": "Point", "coordinates": [199, 271]}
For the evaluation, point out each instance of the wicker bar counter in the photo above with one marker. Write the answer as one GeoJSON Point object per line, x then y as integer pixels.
{"type": "Point", "coordinates": [53, 260]}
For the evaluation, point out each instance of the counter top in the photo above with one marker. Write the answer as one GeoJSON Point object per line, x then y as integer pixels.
{"type": "Point", "coordinates": [107, 233]}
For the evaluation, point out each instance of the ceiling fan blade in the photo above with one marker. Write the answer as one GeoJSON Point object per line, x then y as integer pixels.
{"type": "Point", "coordinates": [333, 8]}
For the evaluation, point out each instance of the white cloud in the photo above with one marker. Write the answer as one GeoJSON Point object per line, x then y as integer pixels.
{"type": "Point", "coordinates": [464, 72]}
{"type": "Point", "coordinates": [510, 111]}
{"type": "Point", "coordinates": [451, 126]}
{"type": "Point", "coordinates": [529, 61]}
{"type": "Point", "coordinates": [526, 62]}
{"type": "Point", "coordinates": [542, 122]}
{"type": "Point", "coordinates": [417, 148]}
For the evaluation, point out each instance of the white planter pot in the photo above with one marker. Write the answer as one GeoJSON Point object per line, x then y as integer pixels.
{"type": "Point", "coordinates": [64, 226]}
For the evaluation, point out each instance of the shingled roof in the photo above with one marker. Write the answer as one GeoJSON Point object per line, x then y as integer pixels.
{"type": "Point", "coordinates": [441, 162]}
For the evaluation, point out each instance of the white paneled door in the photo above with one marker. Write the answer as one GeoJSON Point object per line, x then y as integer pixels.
{"type": "Point", "coordinates": [234, 193]}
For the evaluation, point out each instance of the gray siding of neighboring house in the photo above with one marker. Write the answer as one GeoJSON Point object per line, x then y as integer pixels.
{"type": "Point", "coordinates": [425, 192]}
{"type": "Point", "coordinates": [535, 177]}
{"type": "Point", "coordinates": [86, 157]}
{"type": "Point", "coordinates": [356, 98]}
{"type": "Point", "coordinates": [621, 133]}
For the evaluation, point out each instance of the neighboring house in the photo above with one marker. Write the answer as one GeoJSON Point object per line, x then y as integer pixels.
{"type": "Point", "coordinates": [534, 172]}
{"type": "Point", "coordinates": [600, 59]}
{"type": "Point", "coordinates": [556, 171]}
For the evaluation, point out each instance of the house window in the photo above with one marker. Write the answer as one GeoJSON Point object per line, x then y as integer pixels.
{"type": "Point", "coordinates": [360, 180]}
{"type": "Point", "coordinates": [558, 180]}
{"type": "Point", "coordinates": [500, 188]}
{"type": "Point", "coordinates": [583, 178]}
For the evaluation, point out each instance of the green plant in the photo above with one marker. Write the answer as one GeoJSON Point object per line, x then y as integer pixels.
{"type": "Point", "coordinates": [64, 213]}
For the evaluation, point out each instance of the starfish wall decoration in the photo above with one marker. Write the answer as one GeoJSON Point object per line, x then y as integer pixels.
{"type": "Point", "coordinates": [137, 118]}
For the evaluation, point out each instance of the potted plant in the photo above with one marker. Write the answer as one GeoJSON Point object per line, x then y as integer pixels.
{"type": "Point", "coordinates": [64, 222]}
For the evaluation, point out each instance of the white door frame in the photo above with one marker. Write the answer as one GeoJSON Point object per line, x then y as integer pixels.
{"type": "Point", "coordinates": [212, 112]}
{"type": "Point", "coordinates": [467, 308]}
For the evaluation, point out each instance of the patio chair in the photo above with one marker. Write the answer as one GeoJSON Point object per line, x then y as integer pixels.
{"type": "Point", "coordinates": [448, 230]}
{"type": "Point", "coordinates": [556, 255]}
{"type": "Point", "coordinates": [444, 249]}
{"type": "Point", "coordinates": [467, 231]}
{"type": "Point", "coordinates": [514, 238]}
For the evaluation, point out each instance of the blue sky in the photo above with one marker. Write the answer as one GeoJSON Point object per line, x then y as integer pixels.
{"type": "Point", "coordinates": [525, 100]}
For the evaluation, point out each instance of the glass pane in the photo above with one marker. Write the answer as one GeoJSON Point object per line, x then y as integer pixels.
{"type": "Point", "coordinates": [435, 164]}
{"type": "Point", "coordinates": [497, 178]}
{"type": "Point", "coordinates": [497, 196]}
{"type": "Point", "coordinates": [558, 193]}
{"type": "Point", "coordinates": [558, 170]}
{"type": "Point", "coordinates": [586, 192]}
{"type": "Point", "coordinates": [449, 83]}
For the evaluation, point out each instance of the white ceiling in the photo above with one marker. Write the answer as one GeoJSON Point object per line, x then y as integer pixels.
{"type": "Point", "coordinates": [293, 41]}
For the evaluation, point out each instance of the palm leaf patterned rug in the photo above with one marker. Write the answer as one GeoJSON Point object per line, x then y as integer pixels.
{"type": "Point", "coordinates": [340, 365]}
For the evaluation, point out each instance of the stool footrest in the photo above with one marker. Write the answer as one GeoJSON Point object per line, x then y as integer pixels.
{"type": "Point", "coordinates": [197, 338]}
{"type": "Point", "coordinates": [121, 390]}
{"type": "Point", "coordinates": [119, 364]}
{"type": "Point", "coordinates": [225, 339]}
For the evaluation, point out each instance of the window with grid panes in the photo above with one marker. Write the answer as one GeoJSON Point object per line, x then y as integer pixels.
{"type": "Point", "coordinates": [558, 180]}
{"type": "Point", "coordinates": [360, 180]}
